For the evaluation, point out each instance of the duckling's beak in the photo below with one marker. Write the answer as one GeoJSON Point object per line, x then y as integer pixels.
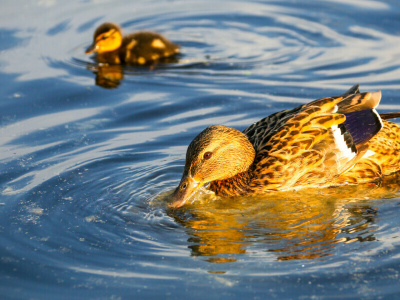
{"type": "Point", "coordinates": [187, 188]}
{"type": "Point", "coordinates": [93, 47]}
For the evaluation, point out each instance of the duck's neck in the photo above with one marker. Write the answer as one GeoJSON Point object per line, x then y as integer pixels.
{"type": "Point", "coordinates": [235, 186]}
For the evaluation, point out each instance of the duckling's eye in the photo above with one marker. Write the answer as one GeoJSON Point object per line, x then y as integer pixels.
{"type": "Point", "coordinates": [184, 186]}
{"type": "Point", "coordinates": [207, 155]}
{"type": "Point", "coordinates": [101, 38]}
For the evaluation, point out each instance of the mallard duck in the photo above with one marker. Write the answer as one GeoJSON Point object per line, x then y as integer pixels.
{"type": "Point", "coordinates": [328, 142]}
{"type": "Point", "coordinates": [140, 48]}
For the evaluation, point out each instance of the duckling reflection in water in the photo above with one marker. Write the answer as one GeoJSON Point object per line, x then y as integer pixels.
{"type": "Point", "coordinates": [108, 77]}
{"type": "Point", "coordinates": [142, 48]}
{"type": "Point", "coordinates": [332, 141]}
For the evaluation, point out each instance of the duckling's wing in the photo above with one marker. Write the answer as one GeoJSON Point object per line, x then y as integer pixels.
{"type": "Point", "coordinates": [314, 143]}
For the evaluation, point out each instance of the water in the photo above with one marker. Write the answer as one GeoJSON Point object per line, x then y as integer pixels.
{"type": "Point", "coordinates": [86, 168]}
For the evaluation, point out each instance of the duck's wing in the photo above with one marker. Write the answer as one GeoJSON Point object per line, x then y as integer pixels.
{"type": "Point", "coordinates": [314, 143]}
{"type": "Point", "coordinates": [260, 132]}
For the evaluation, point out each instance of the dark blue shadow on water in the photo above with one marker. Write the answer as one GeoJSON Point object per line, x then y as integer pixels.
{"type": "Point", "coordinates": [9, 39]}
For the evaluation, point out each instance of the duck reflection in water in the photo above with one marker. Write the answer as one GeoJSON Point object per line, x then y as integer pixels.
{"type": "Point", "coordinates": [308, 224]}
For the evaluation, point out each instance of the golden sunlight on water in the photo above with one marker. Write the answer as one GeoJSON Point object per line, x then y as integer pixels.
{"type": "Point", "coordinates": [306, 224]}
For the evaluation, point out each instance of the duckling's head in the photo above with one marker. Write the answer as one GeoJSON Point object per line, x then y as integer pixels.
{"type": "Point", "coordinates": [217, 153]}
{"type": "Point", "coordinates": [107, 37]}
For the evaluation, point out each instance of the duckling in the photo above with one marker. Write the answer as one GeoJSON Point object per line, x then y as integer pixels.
{"type": "Point", "coordinates": [329, 142]}
{"type": "Point", "coordinates": [140, 48]}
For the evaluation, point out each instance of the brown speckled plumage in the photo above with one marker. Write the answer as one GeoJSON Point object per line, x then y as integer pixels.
{"type": "Point", "coordinates": [328, 142]}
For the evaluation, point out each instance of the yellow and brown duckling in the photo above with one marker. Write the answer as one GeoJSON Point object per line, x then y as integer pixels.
{"type": "Point", "coordinates": [140, 48]}
{"type": "Point", "coordinates": [329, 142]}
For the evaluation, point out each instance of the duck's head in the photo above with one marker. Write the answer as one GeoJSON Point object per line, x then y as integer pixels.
{"type": "Point", "coordinates": [107, 37]}
{"type": "Point", "coordinates": [217, 153]}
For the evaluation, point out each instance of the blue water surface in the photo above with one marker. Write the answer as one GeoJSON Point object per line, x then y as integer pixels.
{"type": "Point", "coordinates": [88, 154]}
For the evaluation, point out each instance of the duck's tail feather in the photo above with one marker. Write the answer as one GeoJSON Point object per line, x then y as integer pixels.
{"type": "Point", "coordinates": [353, 90]}
{"type": "Point", "coordinates": [391, 115]}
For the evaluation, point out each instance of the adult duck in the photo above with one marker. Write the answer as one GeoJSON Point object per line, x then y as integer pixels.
{"type": "Point", "coordinates": [328, 142]}
{"type": "Point", "coordinates": [140, 48]}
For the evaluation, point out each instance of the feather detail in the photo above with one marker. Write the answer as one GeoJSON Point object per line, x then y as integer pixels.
{"type": "Point", "coordinates": [360, 102]}
{"type": "Point", "coordinates": [363, 125]}
{"type": "Point", "coordinates": [316, 142]}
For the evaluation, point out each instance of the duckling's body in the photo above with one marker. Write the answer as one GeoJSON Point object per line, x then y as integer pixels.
{"type": "Point", "coordinates": [140, 48]}
{"type": "Point", "coordinates": [328, 142]}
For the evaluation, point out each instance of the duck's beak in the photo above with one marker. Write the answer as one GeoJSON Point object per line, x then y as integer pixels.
{"type": "Point", "coordinates": [187, 188]}
{"type": "Point", "coordinates": [93, 47]}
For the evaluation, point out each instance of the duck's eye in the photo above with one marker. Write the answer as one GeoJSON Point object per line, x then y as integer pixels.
{"type": "Point", "coordinates": [184, 186]}
{"type": "Point", "coordinates": [207, 155]}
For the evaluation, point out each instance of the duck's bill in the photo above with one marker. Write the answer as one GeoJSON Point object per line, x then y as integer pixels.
{"type": "Point", "coordinates": [186, 189]}
{"type": "Point", "coordinates": [91, 48]}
